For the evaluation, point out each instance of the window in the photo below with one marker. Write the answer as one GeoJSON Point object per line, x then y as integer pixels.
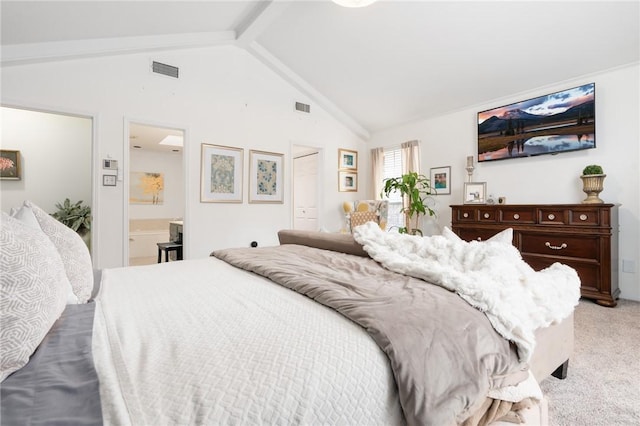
{"type": "Point", "coordinates": [392, 169]}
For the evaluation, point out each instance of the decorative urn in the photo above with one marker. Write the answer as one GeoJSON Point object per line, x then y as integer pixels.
{"type": "Point", "coordinates": [592, 184]}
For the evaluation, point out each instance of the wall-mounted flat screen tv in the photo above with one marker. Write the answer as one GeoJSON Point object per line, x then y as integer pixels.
{"type": "Point", "coordinates": [558, 122]}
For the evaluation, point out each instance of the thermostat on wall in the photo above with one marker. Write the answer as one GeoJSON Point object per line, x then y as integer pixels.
{"type": "Point", "coordinates": [110, 164]}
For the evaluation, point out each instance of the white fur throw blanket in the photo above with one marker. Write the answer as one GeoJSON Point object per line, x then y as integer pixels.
{"type": "Point", "coordinates": [490, 275]}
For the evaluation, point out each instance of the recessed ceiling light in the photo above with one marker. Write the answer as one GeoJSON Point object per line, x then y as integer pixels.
{"type": "Point", "coordinates": [172, 140]}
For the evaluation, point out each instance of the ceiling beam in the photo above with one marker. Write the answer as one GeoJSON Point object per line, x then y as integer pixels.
{"type": "Point", "coordinates": [19, 54]}
{"type": "Point", "coordinates": [258, 20]}
{"type": "Point", "coordinates": [261, 17]}
{"type": "Point", "coordinates": [264, 56]}
{"type": "Point", "coordinates": [245, 35]}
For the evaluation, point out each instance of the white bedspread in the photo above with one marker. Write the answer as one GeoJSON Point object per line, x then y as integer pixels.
{"type": "Point", "coordinates": [490, 276]}
{"type": "Point", "coordinates": [201, 342]}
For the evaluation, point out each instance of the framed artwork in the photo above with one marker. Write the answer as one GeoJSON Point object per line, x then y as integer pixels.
{"type": "Point", "coordinates": [266, 177]}
{"type": "Point", "coordinates": [347, 181]}
{"type": "Point", "coordinates": [441, 180]}
{"type": "Point", "coordinates": [475, 192]}
{"type": "Point", "coordinates": [146, 188]}
{"type": "Point", "coordinates": [10, 165]}
{"type": "Point", "coordinates": [221, 174]}
{"type": "Point", "coordinates": [347, 159]}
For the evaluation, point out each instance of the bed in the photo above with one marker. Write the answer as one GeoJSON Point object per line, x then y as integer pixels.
{"type": "Point", "coordinates": [313, 331]}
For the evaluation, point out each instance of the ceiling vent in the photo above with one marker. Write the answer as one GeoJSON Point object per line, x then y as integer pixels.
{"type": "Point", "coordinates": [165, 69]}
{"type": "Point", "coordinates": [303, 107]}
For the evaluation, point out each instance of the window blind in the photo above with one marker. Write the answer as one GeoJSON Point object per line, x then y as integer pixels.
{"type": "Point", "coordinates": [392, 169]}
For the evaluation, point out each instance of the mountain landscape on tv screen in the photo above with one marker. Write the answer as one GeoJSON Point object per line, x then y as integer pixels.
{"type": "Point", "coordinates": [496, 124]}
{"type": "Point", "coordinates": [514, 132]}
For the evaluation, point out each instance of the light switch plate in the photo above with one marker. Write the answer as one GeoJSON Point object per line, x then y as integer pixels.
{"type": "Point", "coordinates": [628, 266]}
{"type": "Point", "coordinates": [109, 180]}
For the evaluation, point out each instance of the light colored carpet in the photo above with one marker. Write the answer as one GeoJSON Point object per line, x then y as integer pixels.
{"type": "Point", "coordinates": [603, 383]}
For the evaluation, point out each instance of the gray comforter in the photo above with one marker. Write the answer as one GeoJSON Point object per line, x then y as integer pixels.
{"type": "Point", "coordinates": [444, 354]}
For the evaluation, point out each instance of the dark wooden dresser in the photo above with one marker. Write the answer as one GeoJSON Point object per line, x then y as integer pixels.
{"type": "Point", "coordinates": [583, 236]}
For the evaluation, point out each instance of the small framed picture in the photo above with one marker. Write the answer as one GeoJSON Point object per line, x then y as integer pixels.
{"type": "Point", "coordinates": [109, 180]}
{"type": "Point", "coordinates": [441, 180]}
{"type": "Point", "coordinates": [347, 159]}
{"type": "Point", "coordinates": [221, 174]}
{"type": "Point", "coordinates": [266, 177]}
{"type": "Point", "coordinates": [347, 181]}
{"type": "Point", "coordinates": [10, 165]}
{"type": "Point", "coordinates": [475, 192]}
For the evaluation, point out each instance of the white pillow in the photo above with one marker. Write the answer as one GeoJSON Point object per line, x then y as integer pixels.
{"type": "Point", "coordinates": [73, 251]}
{"type": "Point", "coordinates": [25, 215]}
{"type": "Point", "coordinates": [32, 291]}
{"type": "Point", "coordinates": [504, 236]}
{"type": "Point", "coordinates": [450, 235]}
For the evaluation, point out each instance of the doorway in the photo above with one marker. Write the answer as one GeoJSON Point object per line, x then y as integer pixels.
{"type": "Point", "coordinates": [156, 191]}
{"type": "Point", "coordinates": [306, 188]}
{"type": "Point", "coordinates": [52, 154]}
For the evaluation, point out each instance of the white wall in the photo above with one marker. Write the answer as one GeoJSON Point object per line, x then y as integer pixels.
{"type": "Point", "coordinates": [224, 96]}
{"type": "Point", "coordinates": [447, 141]}
{"type": "Point", "coordinates": [55, 153]}
{"type": "Point", "coordinates": [170, 165]}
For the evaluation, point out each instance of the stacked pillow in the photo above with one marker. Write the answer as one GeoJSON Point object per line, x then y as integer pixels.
{"type": "Point", "coordinates": [45, 265]}
{"type": "Point", "coordinates": [74, 252]}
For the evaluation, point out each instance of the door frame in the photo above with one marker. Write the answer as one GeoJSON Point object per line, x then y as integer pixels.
{"type": "Point", "coordinates": [95, 175]}
{"type": "Point", "coordinates": [126, 170]}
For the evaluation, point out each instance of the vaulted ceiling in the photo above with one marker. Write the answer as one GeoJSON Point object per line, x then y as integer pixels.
{"type": "Point", "coordinates": [372, 68]}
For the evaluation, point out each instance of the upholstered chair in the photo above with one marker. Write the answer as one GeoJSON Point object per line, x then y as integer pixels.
{"type": "Point", "coordinates": [362, 211]}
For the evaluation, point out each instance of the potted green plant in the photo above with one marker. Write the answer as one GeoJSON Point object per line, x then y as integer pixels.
{"type": "Point", "coordinates": [415, 189]}
{"type": "Point", "coordinates": [592, 183]}
{"type": "Point", "coordinates": [76, 216]}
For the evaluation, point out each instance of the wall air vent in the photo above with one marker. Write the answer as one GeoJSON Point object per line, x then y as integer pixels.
{"type": "Point", "coordinates": [165, 69]}
{"type": "Point", "coordinates": [303, 107]}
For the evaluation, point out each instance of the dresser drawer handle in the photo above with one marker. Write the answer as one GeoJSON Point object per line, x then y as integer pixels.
{"type": "Point", "coordinates": [562, 246]}
{"type": "Point", "coordinates": [516, 216]}
{"type": "Point", "coordinates": [465, 214]}
{"type": "Point", "coordinates": [486, 215]}
{"type": "Point", "coordinates": [584, 217]}
{"type": "Point", "coordinates": [551, 216]}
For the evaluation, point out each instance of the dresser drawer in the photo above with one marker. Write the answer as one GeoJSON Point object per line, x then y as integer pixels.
{"type": "Point", "coordinates": [584, 217]}
{"type": "Point", "coordinates": [465, 214]}
{"type": "Point", "coordinates": [487, 215]}
{"type": "Point", "coordinates": [514, 215]}
{"type": "Point", "coordinates": [552, 216]}
{"type": "Point", "coordinates": [589, 273]}
{"type": "Point", "coordinates": [477, 234]}
{"type": "Point", "coordinates": [582, 246]}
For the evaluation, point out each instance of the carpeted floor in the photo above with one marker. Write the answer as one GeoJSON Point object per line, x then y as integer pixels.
{"type": "Point", "coordinates": [603, 384]}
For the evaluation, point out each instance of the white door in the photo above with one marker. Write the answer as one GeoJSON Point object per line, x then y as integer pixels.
{"type": "Point", "coordinates": [305, 192]}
